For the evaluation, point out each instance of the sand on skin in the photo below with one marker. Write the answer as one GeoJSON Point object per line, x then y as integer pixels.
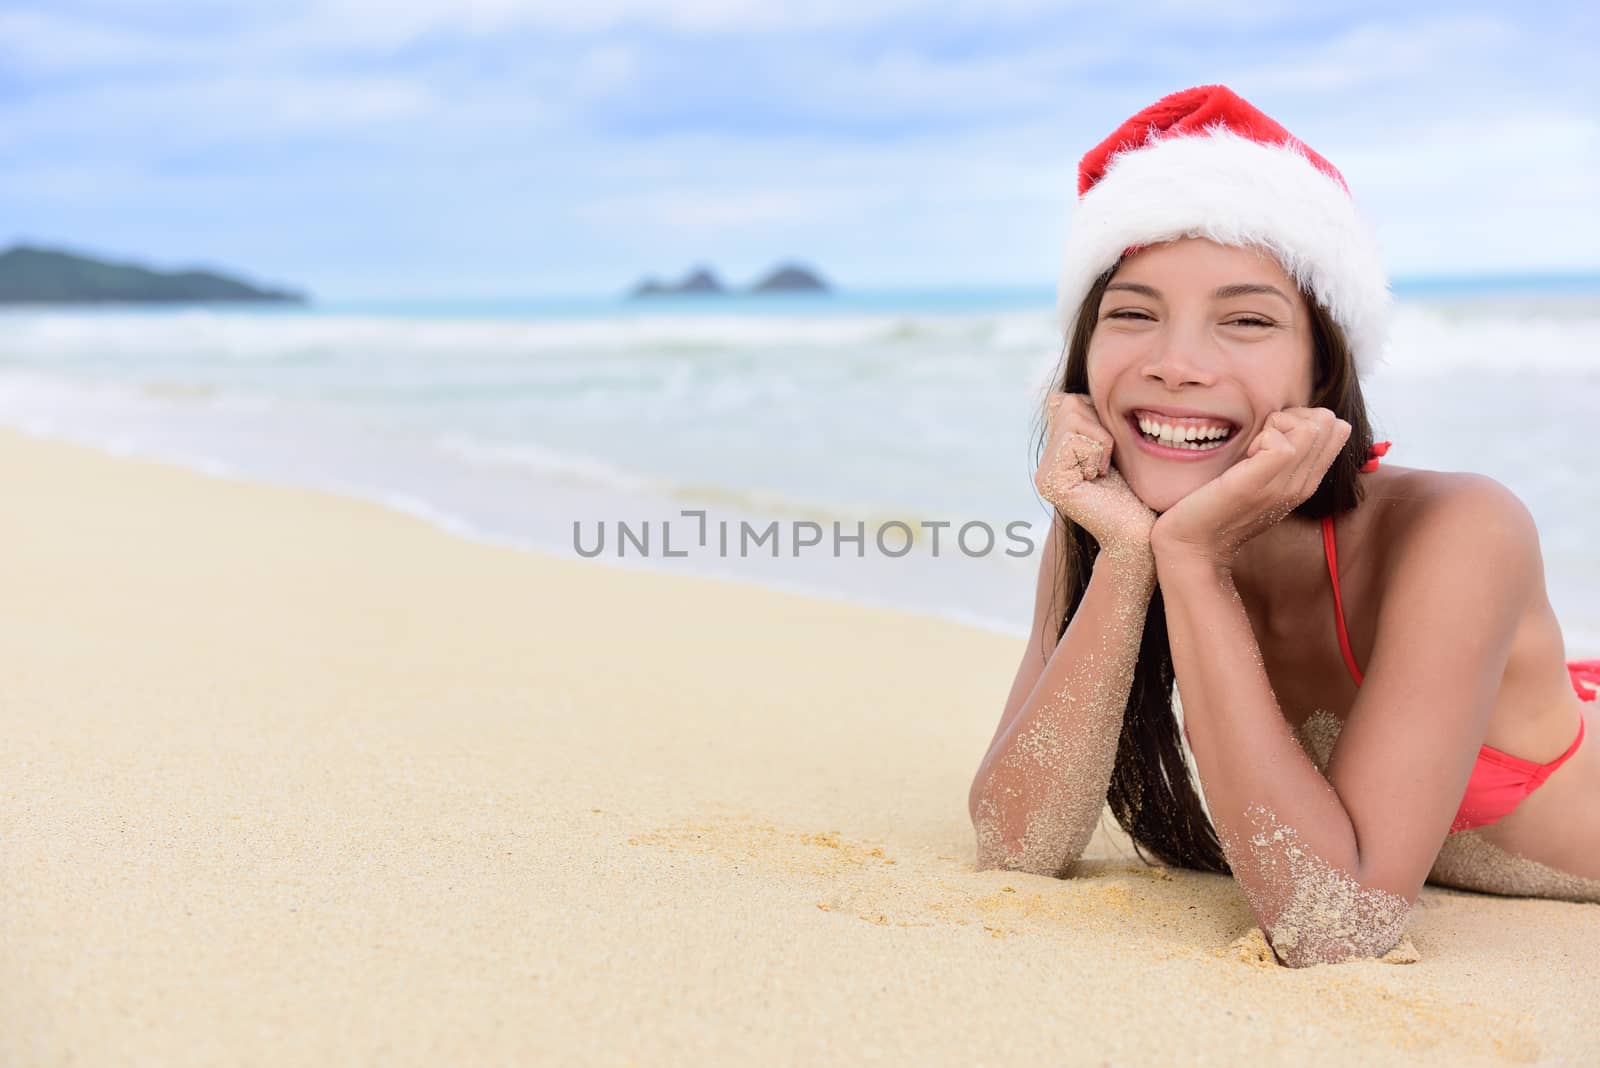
{"type": "Point", "coordinates": [289, 778]}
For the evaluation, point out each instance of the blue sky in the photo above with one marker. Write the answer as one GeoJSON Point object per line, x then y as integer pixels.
{"type": "Point", "coordinates": [506, 148]}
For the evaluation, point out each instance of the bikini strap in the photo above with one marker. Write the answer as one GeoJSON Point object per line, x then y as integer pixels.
{"type": "Point", "coordinates": [1583, 673]}
{"type": "Point", "coordinates": [1378, 448]}
{"type": "Point", "coordinates": [1338, 604]}
{"type": "Point", "coordinates": [1546, 770]}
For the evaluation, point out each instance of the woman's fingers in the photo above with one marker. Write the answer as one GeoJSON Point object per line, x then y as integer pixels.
{"type": "Point", "coordinates": [1086, 453]}
{"type": "Point", "coordinates": [1316, 436]}
{"type": "Point", "coordinates": [1050, 405]}
{"type": "Point", "coordinates": [1086, 421]}
{"type": "Point", "coordinates": [1068, 414]}
{"type": "Point", "coordinates": [1275, 455]}
{"type": "Point", "coordinates": [1273, 438]}
{"type": "Point", "coordinates": [1331, 435]}
{"type": "Point", "coordinates": [1333, 442]}
{"type": "Point", "coordinates": [1302, 429]}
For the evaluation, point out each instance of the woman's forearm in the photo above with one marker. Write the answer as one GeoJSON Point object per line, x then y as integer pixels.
{"type": "Point", "coordinates": [1285, 832]}
{"type": "Point", "coordinates": [1039, 791]}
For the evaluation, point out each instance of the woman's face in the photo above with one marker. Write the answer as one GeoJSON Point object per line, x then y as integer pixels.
{"type": "Point", "coordinates": [1193, 336]}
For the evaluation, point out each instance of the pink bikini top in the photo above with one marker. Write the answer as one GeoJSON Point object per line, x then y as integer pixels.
{"type": "Point", "coordinates": [1499, 780]}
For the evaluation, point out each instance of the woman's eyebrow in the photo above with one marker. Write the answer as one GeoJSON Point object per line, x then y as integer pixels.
{"type": "Point", "coordinates": [1244, 289]}
{"type": "Point", "coordinates": [1238, 289]}
{"type": "Point", "coordinates": [1135, 287]}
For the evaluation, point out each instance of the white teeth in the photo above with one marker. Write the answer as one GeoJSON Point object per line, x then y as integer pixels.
{"type": "Point", "coordinates": [1188, 436]}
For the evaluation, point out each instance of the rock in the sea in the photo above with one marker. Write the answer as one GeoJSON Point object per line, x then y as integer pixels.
{"type": "Point", "coordinates": [30, 275]}
{"type": "Point", "coordinates": [785, 278]}
{"type": "Point", "coordinates": [790, 278]}
{"type": "Point", "coordinates": [698, 280]}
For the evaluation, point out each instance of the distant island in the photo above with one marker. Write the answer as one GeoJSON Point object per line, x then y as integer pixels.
{"type": "Point", "coordinates": [30, 275]}
{"type": "Point", "coordinates": [785, 278]}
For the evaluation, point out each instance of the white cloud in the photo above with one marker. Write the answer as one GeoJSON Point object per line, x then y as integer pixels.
{"type": "Point", "coordinates": [707, 209]}
{"type": "Point", "coordinates": [605, 69]}
{"type": "Point", "coordinates": [557, 142]}
{"type": "Point", "coordinates": [477, 17]}
{"type": "Point", "coordinates": [39, 42]}
{"type": "Point", "coordinates": [902, 83]}
{"type": "Point", "coordinates": [1381, 52]}
{"type": "Point", "coordinates": [143, 120]}
{"type": "Point", "coordinates": [1496, 193]}
{"type": "Point", "coordinates": [281, 32]}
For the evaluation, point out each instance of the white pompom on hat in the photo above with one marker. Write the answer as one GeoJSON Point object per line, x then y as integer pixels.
{"type": "Point", "coordinates": [1204, 162]}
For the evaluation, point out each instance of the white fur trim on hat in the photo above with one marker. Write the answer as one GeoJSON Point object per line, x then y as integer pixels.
{"type": "Point", "coordinates": [1239, 192]}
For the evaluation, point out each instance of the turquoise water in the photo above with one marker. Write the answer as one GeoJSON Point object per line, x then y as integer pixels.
{"type": "Point", "coordinates": [514, 420]}
{"type": "Point", "coordinates": [927, 300]}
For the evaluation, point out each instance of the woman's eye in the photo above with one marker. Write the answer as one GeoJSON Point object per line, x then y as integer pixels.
{"type": "Point", "coordinates": [1247, 321]}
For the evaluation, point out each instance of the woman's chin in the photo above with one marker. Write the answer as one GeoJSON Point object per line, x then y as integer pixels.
{"type": "Point", "coordinates": [1160, 494]}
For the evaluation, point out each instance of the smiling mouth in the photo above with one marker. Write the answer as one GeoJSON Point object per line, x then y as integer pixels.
{"type": "Point", "coordinates": [1186, 434]}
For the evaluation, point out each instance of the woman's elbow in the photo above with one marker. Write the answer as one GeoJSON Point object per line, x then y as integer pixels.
{"type": "Point", "coordinates": [1039, 848]}
{"type": "Point", "coordinates": [1364, 930]}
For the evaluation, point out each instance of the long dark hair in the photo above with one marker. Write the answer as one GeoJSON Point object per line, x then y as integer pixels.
{"type": "Point", "coordinates": [1151, 794]}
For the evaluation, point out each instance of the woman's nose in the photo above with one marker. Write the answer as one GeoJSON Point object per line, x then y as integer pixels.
{"type": "Point", "coordinates": [1178, 360]}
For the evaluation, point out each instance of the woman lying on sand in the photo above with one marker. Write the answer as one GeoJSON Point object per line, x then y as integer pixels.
{"type": "Point", "coordinates": [1372, 678]}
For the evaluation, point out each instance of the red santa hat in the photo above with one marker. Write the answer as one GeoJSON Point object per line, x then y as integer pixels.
{"type": "Point", "coordinates": [1204, 162]}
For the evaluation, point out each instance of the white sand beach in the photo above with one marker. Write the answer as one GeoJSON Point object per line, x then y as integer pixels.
{"type": "Point", "coordinates": [288, 778]}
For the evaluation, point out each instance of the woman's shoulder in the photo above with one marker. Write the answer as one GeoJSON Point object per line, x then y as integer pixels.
{"type": "Point", "coordinates": [1465, 515]}
{"type": "Point", "coordinates": [1413, 492]}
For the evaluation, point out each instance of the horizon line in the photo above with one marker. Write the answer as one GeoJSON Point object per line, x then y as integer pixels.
{"type": "Point", "coordinates": [621, 295]}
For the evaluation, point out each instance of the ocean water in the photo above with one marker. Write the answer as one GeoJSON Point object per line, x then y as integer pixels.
{"type": "Point", "coordinates": [554, 424]}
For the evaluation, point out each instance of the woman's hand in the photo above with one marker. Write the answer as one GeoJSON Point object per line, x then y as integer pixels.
{"type": "Point", "coordinates": [1075, 474]}
{"type": "Point", "coordinates": [1282, 468]}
